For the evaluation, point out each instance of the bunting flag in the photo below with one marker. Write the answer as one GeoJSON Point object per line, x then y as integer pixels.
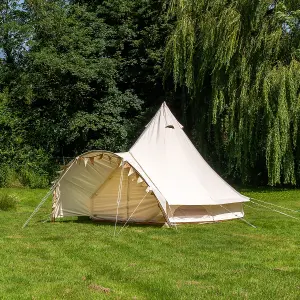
{"type": "Point", "coordinates": [79, 160]}
{"type": "Point", "coordinates": [131, 171]}
{"type": "Point", "coordinates": [126, 166]}
{"type": "Point", "coordinates": [139, 180]}
{"type": "Point", "coordinates": [148, 189]}
{"type": "Point", "coordinates": [86, 159]}
{"type": "Point", "coordinates": [92, 160]}
{"type": "Point", "coordinates": [98, 157]}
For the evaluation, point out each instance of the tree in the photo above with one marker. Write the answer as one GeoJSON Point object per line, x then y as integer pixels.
{"type": "Point", "coordinates": [64, 97]}
{"type": "Point", "coordinates": [240, 64]}
{"type": "Point", "coordinates": [73, 78]}
{"type": "Point", "coordinates": [139, 32]}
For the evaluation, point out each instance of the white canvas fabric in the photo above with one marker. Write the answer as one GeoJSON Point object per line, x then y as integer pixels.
{"type": "Point", "coordinates": [162, 178]}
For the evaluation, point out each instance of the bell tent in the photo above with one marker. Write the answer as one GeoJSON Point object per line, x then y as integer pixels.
{"type": "Point", "coordinates": [161, 179]}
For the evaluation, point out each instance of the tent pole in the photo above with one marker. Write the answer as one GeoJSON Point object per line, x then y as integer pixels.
{"type": "Point", "coordinates": [119, 195]}
{"type": "Point", "coordinates": [164, 214]}
{"type": "Point", "coordinates": [133, 213]}
{"type": "Point", "coordinates": [172, 214]}
{"type": "Point", "coordinates": [53, 206]}
{"type": "Point", "coordinates": [128, 195]}
{"type": "Point", "coordinates": [160, 206]}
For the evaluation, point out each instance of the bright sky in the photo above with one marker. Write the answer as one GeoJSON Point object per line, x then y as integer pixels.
{"type": "Point", "coordinates": [1, 51]}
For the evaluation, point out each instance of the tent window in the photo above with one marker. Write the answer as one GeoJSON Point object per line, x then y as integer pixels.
{"type": "Point", "coordinates": [190, 211]}
{"type": "Point", "coordinates": [170, 126]}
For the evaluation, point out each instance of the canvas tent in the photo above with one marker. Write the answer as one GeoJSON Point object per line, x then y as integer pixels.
{"type": "Point", "coordinates": [161, 179]}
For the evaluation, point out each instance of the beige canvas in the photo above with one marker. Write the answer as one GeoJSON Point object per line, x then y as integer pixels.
{"type": "Point", "coordinates": [162, 178]}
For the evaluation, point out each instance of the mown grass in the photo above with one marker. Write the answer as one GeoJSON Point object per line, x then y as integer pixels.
{"type": "Point", "coordinates": [78, 259]}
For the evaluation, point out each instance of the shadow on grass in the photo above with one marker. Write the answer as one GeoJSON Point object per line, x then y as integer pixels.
{"type": "Point", "coordinates": [87, 220]}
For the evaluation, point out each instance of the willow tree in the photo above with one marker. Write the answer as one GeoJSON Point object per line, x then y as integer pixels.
{"type": "Point", "coordinates": [239, 63]}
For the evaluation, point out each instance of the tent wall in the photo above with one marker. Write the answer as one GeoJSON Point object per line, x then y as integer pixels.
{"type": "Point", "coordinates": [205, 213]}
{"type": "Point", "coordinates": [91, 189]}
{"type": "Point", "coordinates": [105, 201]}
{"type": "Point", "coordinates": [176, 168]}
{"type": "Point", "coordinates": [81, 182]}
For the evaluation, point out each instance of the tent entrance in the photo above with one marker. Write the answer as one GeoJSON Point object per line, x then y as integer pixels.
{"type": "Point", "coordinates": [133, 190]}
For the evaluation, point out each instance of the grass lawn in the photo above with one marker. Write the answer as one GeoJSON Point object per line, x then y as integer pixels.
{"type": "Point", "coordinates": [79, 259]}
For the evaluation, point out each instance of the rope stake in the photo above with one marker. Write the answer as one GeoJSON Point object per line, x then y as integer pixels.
{"type": "Point", "coordinates": [48, 194]}
{"type": "Point", "coordinates": [280, 212]}
{"type": "Point", "coordinates": [296, 211]}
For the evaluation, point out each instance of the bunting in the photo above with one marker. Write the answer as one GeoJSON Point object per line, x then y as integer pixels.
{"type": "Point", "coordinates": [92, 159]}
{"type": "Point", "coordinates": [148, 189]}
{"type": "Point", "coordinates": [139, 180]}
{"type": "Point", "coordinates": [127, 165]}
{"type": "Point", "coordinates": [131, 171]}
{"type": "Point", "coordinates": [79, 160]}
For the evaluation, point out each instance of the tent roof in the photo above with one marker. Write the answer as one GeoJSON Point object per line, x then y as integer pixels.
{"type": "Point", "coordinates": [165, 156]}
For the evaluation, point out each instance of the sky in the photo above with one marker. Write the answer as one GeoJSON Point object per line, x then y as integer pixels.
{"type": "Point", "coordinates": [1, 50]}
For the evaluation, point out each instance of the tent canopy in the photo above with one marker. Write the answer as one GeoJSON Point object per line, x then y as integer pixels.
{"type": "Point", "coordinates": [162, 178]}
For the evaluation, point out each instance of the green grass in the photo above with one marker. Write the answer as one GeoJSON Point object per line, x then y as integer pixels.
{"type": "Point", "coordinates": [8, 202]}
{"type": "Point", "coordinates": [77, 259]}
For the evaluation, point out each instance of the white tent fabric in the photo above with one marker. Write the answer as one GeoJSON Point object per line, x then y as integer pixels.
{"type": "Point", "coordinates": [162, 169]}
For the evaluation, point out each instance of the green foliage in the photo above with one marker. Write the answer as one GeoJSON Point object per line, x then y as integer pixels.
{"type": "Point", "coordinates": [239, 62]}
{"type": "Point", "coordinates": [78, 75]}
{"type": "Point", "coordinates": [8, 202]}
{"type": "Point", "coordinates": [8, 176]}
{"type": "Point", "coordinates": [32, 179]}
{"type": "Point", "coordinates": [140, 29]}
{"type": "Point", "coordinates": [61, 96]}
{"type": "Point", "coordinates": [75, 99]}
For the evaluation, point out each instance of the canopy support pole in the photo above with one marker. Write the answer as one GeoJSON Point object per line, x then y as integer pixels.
{"type": "Point", "coordinates": [119, 196]}
{"type": "Point", "coordinates": [133, 213]}
{"type": "Point", "coordinates": [171, 214]}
